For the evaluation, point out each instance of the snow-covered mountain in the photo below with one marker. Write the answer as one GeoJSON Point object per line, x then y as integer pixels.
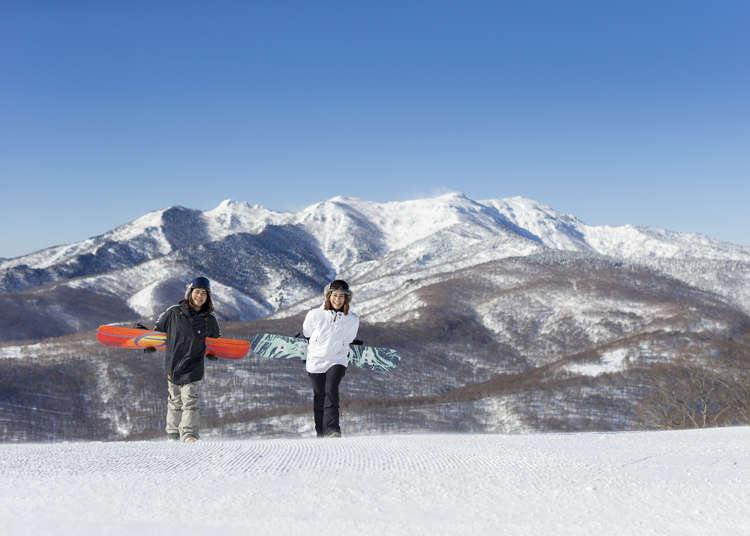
{"type": "Point", "coordinates": [510, 316]}
{"type": "Point", "coordinates": [262, 261]}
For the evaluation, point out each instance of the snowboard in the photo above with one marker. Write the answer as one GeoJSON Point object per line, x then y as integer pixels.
{"type": "Point", "coordinates": [283, 347]}
{"type": "Point", "coordinates": [121, 337]}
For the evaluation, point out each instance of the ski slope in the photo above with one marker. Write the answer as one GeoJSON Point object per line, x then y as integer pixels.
{"type": "Point", "coordinates": [687, 482]}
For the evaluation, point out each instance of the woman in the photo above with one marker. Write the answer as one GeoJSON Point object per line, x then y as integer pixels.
{"type": "Point", "coordinates": [187, 325]}
{"type": "Point", "coordinates": [330, 329]}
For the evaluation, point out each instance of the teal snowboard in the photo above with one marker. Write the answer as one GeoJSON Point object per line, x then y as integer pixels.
{"type": "Point", "coordinates": [282, 347]}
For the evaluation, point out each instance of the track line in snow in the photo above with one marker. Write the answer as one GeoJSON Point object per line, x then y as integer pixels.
{"type": "Point", "coordinates": [584, 484]}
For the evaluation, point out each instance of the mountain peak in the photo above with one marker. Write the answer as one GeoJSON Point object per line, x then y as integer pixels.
{"type": "Point", "coordinates": [233, 206]}
{"type": "Point", "coordinates": [456, 195]}
{"type": "Point", "coordinates": [449, 197]}
{"type": "Point", "coordinates": [344, 199]}
{"type": "Point", "coordinates": [229, 203]}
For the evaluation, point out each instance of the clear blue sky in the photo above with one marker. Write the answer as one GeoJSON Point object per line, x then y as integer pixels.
{"type": "Point", "coordinates": [616, 112]}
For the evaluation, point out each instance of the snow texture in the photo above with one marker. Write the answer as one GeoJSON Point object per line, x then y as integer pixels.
{"type": "Point", "coordinates": [645, 483]}
{"type": "Point", "coordinates": [611, 362]}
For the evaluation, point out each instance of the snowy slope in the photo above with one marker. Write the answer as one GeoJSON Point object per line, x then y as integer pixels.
{"type": "Point", "coordinates": [562, 231]}
{"type": "Point", "coordinates": [343, 222]}
{"type": "Point", "coordinates": [265, 261]}
{"type": "Point", "coordinates": [661, 483]}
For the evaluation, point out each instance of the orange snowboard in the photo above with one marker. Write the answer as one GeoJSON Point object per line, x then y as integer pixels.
{"type": "Point", "coordinates": [120, 337]}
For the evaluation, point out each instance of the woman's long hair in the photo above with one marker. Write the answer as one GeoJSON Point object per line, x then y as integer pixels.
{"type": "Point", "coordinates": [341, 286]}
{"type": "Point", "coordinates": [208, 306]}
{"type": "Point", "coordinates": [344, 308]}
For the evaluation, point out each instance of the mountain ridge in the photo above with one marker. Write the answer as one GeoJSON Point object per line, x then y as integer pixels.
{"type": "Point", "coordinates": [263, 261]}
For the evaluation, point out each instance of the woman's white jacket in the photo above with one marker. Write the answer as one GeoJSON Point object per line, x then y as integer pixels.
{"type": "Point", "coordinates": [330, 334]}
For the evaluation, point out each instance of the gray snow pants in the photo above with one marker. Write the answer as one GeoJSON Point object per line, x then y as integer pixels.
{"type": "Point", "coordinates": [183, 416]}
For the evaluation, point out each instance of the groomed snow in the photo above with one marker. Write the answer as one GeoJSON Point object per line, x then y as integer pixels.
{"type": "Point", "coordinates": [660, 483]}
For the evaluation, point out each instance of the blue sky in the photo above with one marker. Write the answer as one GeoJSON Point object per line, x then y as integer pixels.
{"type": "Point", "coordinates": [616, 112]}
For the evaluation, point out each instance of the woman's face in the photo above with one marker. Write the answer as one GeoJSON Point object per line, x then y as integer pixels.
{"type": "Point", "coordinates": [337, 299]}
{"type": "Point", "coordinates": [198, 296]}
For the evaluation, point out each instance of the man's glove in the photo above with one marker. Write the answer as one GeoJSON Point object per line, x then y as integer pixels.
{"type": "Point", "coordinates": [358, 342]}
{"type": "Point", "coordinates": [211, 357]}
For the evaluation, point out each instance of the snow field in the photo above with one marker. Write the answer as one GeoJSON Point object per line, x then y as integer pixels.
{"type": "Point", "coordinates": [688, 482]}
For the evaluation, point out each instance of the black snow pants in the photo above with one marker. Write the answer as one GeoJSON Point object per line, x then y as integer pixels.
{"type": "Point", "coordinates": [326, 399]}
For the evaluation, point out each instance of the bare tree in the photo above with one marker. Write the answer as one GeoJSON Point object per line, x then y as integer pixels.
{"type": "Point", "coordinates": [687, 395]}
